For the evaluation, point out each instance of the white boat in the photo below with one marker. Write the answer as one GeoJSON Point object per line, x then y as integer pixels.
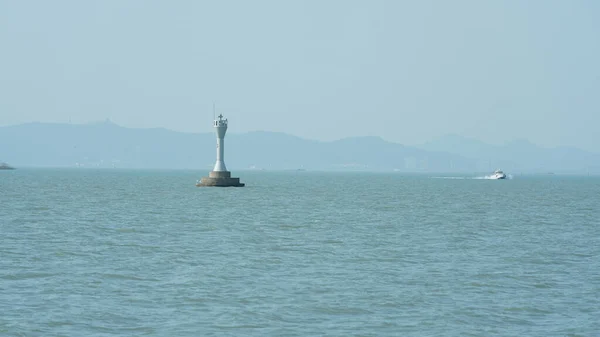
{"type": "Point", "coordinates": [498, 174]}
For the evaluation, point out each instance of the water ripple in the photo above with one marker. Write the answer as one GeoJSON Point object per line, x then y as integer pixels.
{"type": "Point", "coordinates": [145, 253]}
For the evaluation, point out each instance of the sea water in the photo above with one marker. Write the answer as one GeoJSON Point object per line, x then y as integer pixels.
{"type": "Point", "coordinates": [146, 253]}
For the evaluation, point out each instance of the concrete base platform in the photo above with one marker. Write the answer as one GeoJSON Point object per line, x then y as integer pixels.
{"type": "Point", "coordinates": [220, 179]}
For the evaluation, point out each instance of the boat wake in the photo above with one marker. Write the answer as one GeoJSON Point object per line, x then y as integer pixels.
{"type": "Point", "coordinates": [490, 177]}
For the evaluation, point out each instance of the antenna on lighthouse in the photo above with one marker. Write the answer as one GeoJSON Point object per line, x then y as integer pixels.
{"type": "Point", "coordinates": [214, 114]}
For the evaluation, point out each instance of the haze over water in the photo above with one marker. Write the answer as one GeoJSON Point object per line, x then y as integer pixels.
{"type": "Point", "coordinates": [112, 252]}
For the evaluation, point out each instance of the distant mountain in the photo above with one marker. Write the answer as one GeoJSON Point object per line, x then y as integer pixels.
{"type": "Point", "coordinates": [101, 145]}
{"type": "Point", "coordinates": [518, 155]}
{"type": "Point", "coordinates": [108, 145]}
{"type": "Point", "coordinates": [275, 150]}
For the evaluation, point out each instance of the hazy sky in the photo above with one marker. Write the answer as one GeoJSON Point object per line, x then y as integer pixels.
{"type": "Point", "coordinates": [408, 71]}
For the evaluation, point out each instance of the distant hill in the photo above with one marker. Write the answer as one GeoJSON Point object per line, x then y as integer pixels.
{"type": "Point", "coordinates": [101, 145]}
{"type": "Point", "coordinates": [108, 145]}
{"type": "Point", "coordinates": [270, 150]}
{"type": "Point", "coordinates": [518, 155]}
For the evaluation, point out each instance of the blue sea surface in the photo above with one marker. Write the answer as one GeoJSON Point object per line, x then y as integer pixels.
{"type": "Point", "coordinates": [146, 253]}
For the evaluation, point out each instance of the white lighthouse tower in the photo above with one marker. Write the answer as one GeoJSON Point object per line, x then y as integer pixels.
{"type": "Point", "coordinates": [221, 128]}
{"type": "Point", "coordinates": [219, 176]}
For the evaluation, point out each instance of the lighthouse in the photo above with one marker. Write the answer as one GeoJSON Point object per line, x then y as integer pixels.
{"type": "Point", "coordinates": [219, 176]}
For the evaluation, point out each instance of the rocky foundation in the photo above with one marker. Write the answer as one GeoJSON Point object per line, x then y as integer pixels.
{"type": "Point", "coordinates": [219, 179]}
